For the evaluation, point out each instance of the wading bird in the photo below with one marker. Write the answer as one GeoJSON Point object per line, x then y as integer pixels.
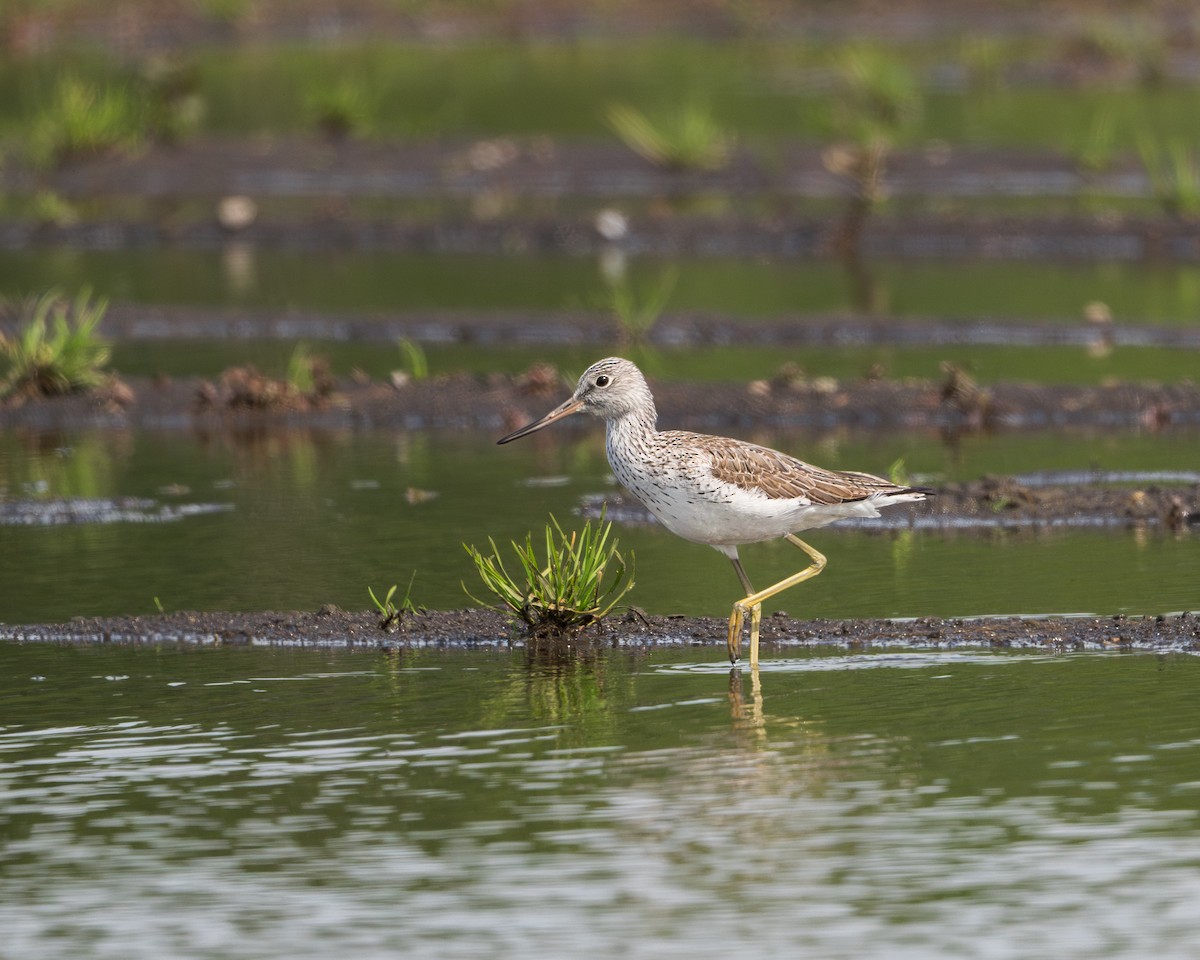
{"type": "Point", "coordinates": [717, 490]}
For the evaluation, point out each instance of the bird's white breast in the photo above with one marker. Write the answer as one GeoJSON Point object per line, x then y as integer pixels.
{"type": "Point", "coordinates": [675, 482]}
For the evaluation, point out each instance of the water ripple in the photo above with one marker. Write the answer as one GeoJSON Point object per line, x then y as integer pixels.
{"type": "Point", "coordinates": [854, 812]}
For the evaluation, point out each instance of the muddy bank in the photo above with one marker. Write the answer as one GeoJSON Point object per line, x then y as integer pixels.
{"type": "Point", "coordinates": [546, 168]}
{"type": "Point", "coordinates": [1011, 503]}
{"type": "Point", "coordinates": [499, 403]}
{"type": "Point", "coordinates": [1006, 505]}
{"type": "Point", "coordinates": [178, 25]}
{"type": "Point", "coordinates": [576, 327]}
{"type": "Point", "coordinates": [332, 628]}
{"type": "Point", "coordinates": [912, 237]}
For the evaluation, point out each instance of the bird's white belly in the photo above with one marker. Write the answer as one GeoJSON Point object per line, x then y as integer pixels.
{"type": "Point", "coordinates": [720, 514]}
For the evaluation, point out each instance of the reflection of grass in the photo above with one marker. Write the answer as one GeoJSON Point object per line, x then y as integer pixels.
{"type": "Point", "coordinates": [84, 469]}
{"type": "Point", "coordinates": [581, 579]}
{"type": "Point", "coordinates": [687, 139]}
{"type": "Point", "coordinates": [1174, 174]}
{"type": "Point", "coordinates": [58, 349]}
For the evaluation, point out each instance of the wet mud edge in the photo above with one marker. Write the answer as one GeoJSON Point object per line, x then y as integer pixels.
{"type": "Point", "coordinates": [501, 403]}
{"type": "Point", "coordinates": [331, 628]}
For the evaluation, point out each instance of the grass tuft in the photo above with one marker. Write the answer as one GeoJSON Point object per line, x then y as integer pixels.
{"type": "Point", "coordinates": [690, 139]}
{"type": "Point", "coordinates": [879, 96]}
{"type": "Point", "coordinates": [877, 105]}
{"type": "Point", "coordinates": [579, 581]}
{"type": "Point", "coordinates": [637, 312]}
{"type": "Point", "coordinates": [84, 118]}
{"type": "Point", "coordinates": [57, 349]}
{"type": "Point", "coordinates": [345, 108]}
{"type": "Point", "coordinates": [303, 368]}
{"type": "Point", "coordinates": [392, 616]}
{"type": "Point", "coordinates": [307, 385]}
{"type": "Point", "coordinates": [416, 361]}
{"type": "Point", "coordinates": [898, 473]}
{"type": "Point", "coordinates": [1174, 172]}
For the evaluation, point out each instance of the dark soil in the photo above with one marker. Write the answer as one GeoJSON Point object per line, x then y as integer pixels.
{"type": "Point", "coordinates": [332, 628]}
{"type": "Point", "coordinates": [175, 25]}
{"type": "Point", "coordinates": [541, 167]}
{"type": "Point", "coordinates": [573, 327]}
{"type": "Point", "coordinates": [500, 403]}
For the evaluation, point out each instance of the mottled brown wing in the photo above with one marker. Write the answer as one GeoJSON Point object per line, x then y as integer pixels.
{"type": "Point", "coordinates": [779, 476]}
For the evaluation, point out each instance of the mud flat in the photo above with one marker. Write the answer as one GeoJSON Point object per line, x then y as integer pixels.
{"type": "Point", "coordinates": [332, 628]}
{"type": "Point", "coordinates": [501, 403]}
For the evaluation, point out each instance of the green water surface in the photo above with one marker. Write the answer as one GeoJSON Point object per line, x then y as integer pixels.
{"type": "Point", "coordinates": [1043, 291]}
{"type": "Point", "coordinates": [250, 803]}
{"type": "Point", "coordinates": [758, 90]}
{"type": "Point", "coordinates": [313, 517]}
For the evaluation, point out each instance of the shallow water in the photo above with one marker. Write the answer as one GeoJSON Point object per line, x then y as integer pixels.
{"type": "Point", "coordinates": [294, 519]}
{"type": "Point", "coordinates": [763, 90]}
{"type": "Point", "coordinates": [1166, 293]}
{"type": "Point", "coordinates": [249, 803]}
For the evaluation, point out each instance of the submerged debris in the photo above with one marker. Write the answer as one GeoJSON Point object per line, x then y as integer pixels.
{"type": "Point", "coordinates": [245, 388]}
{"type": "Point", "coordinates": [99, 510]}
{"type": "Point", "coordinates": [960, 392]}
{"type": "Point", "coordinates": [465, 401]}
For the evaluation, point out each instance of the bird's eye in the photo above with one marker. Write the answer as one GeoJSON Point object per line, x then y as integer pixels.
{"type": "Point", "coordinates": [602, 380]}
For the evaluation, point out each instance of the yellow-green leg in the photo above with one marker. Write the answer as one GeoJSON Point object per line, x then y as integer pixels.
{"type": "Point", "coordinates": [739, 612]}
{"type": "Point", "coordinates": [752, 602]}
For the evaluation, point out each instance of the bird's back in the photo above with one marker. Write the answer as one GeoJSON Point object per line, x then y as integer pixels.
{"type": "Point", "coordinates": [720, 490]}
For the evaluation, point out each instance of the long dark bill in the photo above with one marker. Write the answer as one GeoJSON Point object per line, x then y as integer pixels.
{"type": "Point", "coordinates": [563, 410]}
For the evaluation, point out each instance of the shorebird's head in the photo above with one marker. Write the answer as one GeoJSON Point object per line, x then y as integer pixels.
{"type": "Point", "coordinates": [609, 389]}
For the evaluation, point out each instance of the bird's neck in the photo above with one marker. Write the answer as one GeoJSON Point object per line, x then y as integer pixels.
{"type": "Point", "coordinates": [633, 429]}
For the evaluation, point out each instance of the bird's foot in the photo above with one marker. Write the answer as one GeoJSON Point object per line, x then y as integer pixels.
{"type": "Point", "coordinates": [737, 620]}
